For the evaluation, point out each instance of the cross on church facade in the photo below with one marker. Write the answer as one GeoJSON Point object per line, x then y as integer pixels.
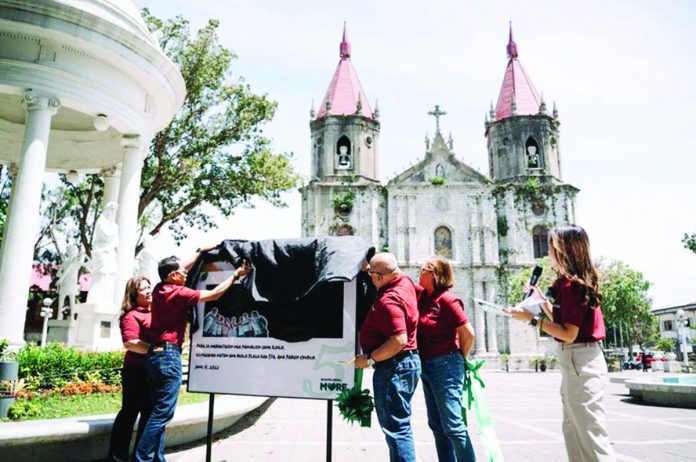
{"type": "Point", "coordinates": [437, 113]}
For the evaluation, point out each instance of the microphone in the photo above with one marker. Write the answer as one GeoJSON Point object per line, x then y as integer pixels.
{"type": "Point", "coordinates": [536, 274]}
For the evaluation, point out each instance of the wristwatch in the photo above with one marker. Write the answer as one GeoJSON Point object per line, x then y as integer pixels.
{"type": "Point", "coordinates": [535, 320]}
{"type": "Point", "coordinates": [370, 361]}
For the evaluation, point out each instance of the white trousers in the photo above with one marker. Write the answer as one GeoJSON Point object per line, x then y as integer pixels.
{"type": "Point", "coordinates": [584, 378]}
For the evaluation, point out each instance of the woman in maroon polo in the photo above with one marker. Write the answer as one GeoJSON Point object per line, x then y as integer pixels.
{"type": "Point", "coordinates": [135, 332]}
{"type": "Point", "coordinates": [445, 338]}
{"type": "Point", "coordinates": [578, 326]}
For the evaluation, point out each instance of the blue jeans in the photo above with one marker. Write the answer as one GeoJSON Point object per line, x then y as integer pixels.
{"type": "Point", "coordinates": [394, 383]}
{"type": "Point", "coordinates": [164, 370]}
{"type": "Point", "coordinates": [443, 383]}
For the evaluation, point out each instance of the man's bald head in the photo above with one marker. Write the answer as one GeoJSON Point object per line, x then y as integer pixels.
{"type": "Point", "coordinates": [384, 262]}
{"type": "Point", "coordinates": [384, 268]}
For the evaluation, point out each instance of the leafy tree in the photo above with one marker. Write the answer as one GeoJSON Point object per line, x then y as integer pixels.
{"type": "Point", "coordinates": [665, 344]}
{"type": "Point", "coordinates": [625, 302]}
{"type": "Point", "coordinates": [689, 242]}
{"type": "Point", "coordinates": [213, 152]}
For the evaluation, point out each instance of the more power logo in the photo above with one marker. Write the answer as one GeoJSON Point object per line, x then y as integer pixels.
{"type": "Point", "coordinates": [332, 385]}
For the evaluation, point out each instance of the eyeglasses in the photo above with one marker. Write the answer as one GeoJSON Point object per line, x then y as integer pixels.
{"type": "Point", "coordinates": [370, 272]}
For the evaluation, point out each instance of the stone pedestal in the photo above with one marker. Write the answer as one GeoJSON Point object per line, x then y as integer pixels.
{"type": "Point", "coordinates": [672, 366]}
{"type": "Point", "coordinates": [97, 328]}
{"type": "Point", "coordinates": [493, 361]}
{"type": "Point", "coordinates": [61, 330]}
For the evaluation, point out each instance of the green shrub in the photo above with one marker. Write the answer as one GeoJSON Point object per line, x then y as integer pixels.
{"type": "Point", "coordinates": [22, 410]}
{"type": "Point", "coordinates": [56, 365]}
{"type": "Point", "coordinates": [437, 180]}
{"type": "Point", "coordinates": [5, 354]}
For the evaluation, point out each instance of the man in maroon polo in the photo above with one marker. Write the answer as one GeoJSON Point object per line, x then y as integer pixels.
{"type": "Point", "coordinates": [171, 301]}
{"type": "Point", "coordinates": [388, 341]}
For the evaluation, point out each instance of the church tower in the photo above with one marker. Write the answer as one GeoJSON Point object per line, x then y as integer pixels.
{"type": "Point", "coordinates": [522, 135]}
{"type": "Point", "coordinates": [525, 166]}
{"type": "Point", "coordinates": [344, 195]}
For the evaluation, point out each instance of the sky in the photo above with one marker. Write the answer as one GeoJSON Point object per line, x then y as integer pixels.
{"type": "Point", "coordinates": [622, 74]}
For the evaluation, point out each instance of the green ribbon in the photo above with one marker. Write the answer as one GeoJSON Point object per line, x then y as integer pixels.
{"type": "Point", "coordinates": [355, 404]}
{"type": "Point", "coordinates": [473, 388]}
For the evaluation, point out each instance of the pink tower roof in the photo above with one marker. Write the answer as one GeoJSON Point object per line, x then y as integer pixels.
{"type": "Point", "coordinates": [345, 94]}
{"type": "Point", "coordinates": [517, 86]}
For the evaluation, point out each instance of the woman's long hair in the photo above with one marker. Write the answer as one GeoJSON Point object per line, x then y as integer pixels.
{"type": "Point", "coordinates": [571, 248]}
{"type": "Point", "coordinates": [130, 297]}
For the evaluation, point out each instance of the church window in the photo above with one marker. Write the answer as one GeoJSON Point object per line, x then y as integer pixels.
{"type": "Point", "coordinates": [540, 238]}
{"type": "Point", "coordinates": [440, 171]}
{"type": "Point", "coordinates": [443, 242]}
{"type": "Point", "coordinates": [533, 156]}
{"type": "Point", "coordinates": [343, 154]}
{"type": "Point", "coordinates": [368, 141]}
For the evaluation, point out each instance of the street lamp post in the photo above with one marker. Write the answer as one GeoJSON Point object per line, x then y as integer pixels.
{"type": "Point", "coordinates": [46, 313]}
{"type": "Point", "coordinates": [681, 333]}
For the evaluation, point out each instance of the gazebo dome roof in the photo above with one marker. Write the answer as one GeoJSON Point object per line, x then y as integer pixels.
{"type": "Point", "coordinates": [97, 57]}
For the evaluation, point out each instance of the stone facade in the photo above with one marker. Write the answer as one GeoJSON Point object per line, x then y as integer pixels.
{"type": "Point", "coordinates": [487, 226]}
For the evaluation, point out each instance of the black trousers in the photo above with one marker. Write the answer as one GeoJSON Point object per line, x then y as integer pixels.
{"type": "Point", "coordinates": [135, 400]}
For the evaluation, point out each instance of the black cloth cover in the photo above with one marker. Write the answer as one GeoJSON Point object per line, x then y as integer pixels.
{"type": "Point", "coordinates": [293, 282]}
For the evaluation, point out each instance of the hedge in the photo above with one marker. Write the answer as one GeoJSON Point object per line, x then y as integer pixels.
{"type": "Point", "coordinates": [56, 365]}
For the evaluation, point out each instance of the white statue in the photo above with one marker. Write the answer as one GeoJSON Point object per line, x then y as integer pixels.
{"type": "Point", "coordinates": [532, 157]}
{"type": "Point", "coordinates": [68, 278]}
{"type": "Point", "coordinates": [146, 262]}
{"type": "Point", "coordinates": [104, 260]}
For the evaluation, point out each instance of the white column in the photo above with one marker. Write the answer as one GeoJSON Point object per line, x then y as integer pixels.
{"type": "Point", "coordinates": [23, 217]}
{"type": "Point", "coordinates": [127, 218]}
{"type": "Point", "coordinates": [491, 321]}
{"type": "Point", "coordinates": [480, 322]}
{"type": "Point", "coordinates": [492, 333]}
{"type": "Point", "coordinates": [112, 179]}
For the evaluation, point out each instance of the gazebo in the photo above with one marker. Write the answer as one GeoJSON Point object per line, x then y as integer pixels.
{"type": "Point", "coordinates": [84, 86]}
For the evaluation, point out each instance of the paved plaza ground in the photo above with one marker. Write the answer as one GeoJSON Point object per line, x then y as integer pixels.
{"type": "Point", "coordinates": [526, 408]}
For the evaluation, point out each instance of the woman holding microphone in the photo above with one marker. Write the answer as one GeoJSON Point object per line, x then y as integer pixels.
{"type": "Point", "coordinates": [577, 324]}
{"type": "Point", "coordinates": [445, 338]}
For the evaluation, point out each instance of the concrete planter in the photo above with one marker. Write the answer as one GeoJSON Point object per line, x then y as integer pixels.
{"type": "Point", "coordinates": [8, 373]}
{"type": "Point", "coordinates": [5, 403]}
{"type": "Point", "coordinates": [9, 370]}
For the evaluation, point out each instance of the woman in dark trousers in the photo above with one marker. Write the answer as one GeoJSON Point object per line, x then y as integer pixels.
{"type": "Point", "coordinates": [576, 322]}
{"type": "Point", "coordinates": [135, 327]}
{"type": "Point", "coordinates": [445, 337]}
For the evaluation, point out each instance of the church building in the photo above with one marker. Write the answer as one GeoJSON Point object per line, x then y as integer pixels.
{"type": "Point", "coordinates": [487, 226]}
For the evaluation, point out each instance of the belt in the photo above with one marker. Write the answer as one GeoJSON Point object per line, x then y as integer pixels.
{"type": "Point", "coordinates": [567, 346]}
{"type": "Point", "coordinates": [161, 346]}
{"type": "Point", "coordinates": [396, 358]}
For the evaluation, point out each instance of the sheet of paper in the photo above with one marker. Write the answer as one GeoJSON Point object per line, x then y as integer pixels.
{"type": "Point", "coordinates": [491, 307]}
{"type": "Point", "coordinates": [532, 304]}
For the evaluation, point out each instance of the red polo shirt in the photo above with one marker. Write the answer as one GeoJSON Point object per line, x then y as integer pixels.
{"type": "Point", "coordinates": [440, 315]}
{"type": "Point", "coordinates": [170, 304]}
{"type": "Point", "coordinates": [395, 311]}
{"type": "Point", "coordinates": [569, 309]}
{"type": "Point", "coordinates": [135, 325]}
